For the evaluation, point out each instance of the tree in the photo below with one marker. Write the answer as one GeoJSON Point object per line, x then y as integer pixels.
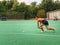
{"type": "Point", "coordinates": [34, 9]}
{"type": "Point", "coordinates": [15, 4]}
{"type": "Point", "coordinates": [47, 5]}
{"type": "Point", "coordinates": [28, 12]}
{"type": "Point", "coordinates": [21, 7]}
{"type": "Point", "coordinates": [41, 13]}
{"type": "Point", "coordinates": [56, 5]}
{"type": "Point", "coordinates": [2, 8]}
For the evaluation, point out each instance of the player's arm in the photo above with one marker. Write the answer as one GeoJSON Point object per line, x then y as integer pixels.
{"type": "Point", "coordinates": [37, 24]}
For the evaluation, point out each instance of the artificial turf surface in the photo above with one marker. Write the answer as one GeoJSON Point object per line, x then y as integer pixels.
{"type": "Point", "coordinates": [25, 32]}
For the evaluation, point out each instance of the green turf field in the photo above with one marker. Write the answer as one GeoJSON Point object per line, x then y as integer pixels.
{"type": "Point", "coordinates": [25, 32]}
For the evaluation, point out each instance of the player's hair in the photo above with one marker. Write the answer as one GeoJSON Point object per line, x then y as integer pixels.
{"type": "Point", "coordinates": [37, 16]}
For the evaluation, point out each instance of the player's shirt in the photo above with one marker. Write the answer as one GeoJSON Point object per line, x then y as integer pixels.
{"type": "Point", "coordinates": [40, 19]}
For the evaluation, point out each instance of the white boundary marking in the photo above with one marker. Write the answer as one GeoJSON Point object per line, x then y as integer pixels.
{"type": "Point", "coordinates": [33, 34]}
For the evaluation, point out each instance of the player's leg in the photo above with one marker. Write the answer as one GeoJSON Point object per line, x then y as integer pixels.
{"type": "Point", "coordinates": [41, 27]}
{"type": "Point", "coordinates": [49, 28]}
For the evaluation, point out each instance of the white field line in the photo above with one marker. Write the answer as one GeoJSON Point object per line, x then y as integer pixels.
{"type": "Point", "coordinates": [32, 34]}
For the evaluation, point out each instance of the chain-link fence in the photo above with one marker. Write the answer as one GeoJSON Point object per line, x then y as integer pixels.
{"type": "Point", "coordinates": [12, 15]}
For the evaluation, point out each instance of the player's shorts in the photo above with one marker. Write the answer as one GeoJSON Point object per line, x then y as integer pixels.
{"type": "Point", "coordinates": [45, 22]}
